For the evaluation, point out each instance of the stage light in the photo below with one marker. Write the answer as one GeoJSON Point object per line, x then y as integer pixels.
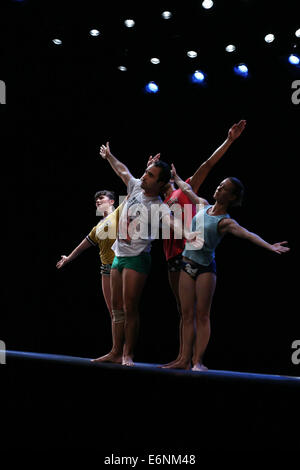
{"type": "Point", "coordinates": [94, 32]}
{"type": "Point", "coordinates": [155, 60]}
{"type": "Point", "coordinates": [269, 38]}
{"type": "Point", "coordinates": [207, 4]}
{"type": "Point", "coordinates": [191, 54]}
{"type": "Point", "coordinates": [166, 15]}
{"type": "Point", "coordinates": [57, 42]}
{"type": "Point", "coordinates": [122, 68]}
{"type": "Point", "coordinates": [129, 23]}
{"type": "Point", "coordinates": [241, 69]}
{"type": "Point", "coordinates": [297, 33]}
{"type": "Point", "coordinates": [151, 87]}
{"type": "Point", "coordinates": [230, 48]}
{"type": "Point", "coordinates": [198, 76]}
{"type": "Point", "coordinates": [294, 59]}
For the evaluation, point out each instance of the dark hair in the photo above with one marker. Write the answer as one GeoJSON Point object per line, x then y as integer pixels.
{"type": "Point", "coordinates": [105, 192]}
{"type": "Point", "coordinates": [165, 171]}
{"type": "Point", "coordinates": [238, 191]}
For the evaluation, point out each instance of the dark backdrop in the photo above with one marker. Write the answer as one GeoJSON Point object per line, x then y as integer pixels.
{"type": "Point", "coordinates": [64, 101]}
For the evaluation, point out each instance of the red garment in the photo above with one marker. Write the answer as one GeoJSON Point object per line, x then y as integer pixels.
{"type": "Point", "coordinates": [173, 247]}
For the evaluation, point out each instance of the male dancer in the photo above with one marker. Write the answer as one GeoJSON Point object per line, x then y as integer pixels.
{"type": "Point", "coordinates": [102, 235]}
{"type": "Point", "coordinates": [132, 247]}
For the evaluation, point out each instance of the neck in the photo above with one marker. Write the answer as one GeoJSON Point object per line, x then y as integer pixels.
{"type": "Point", "coordinates": [109, 211]}
{"type": "Point", "coordinates": [219, 208]}
{"type": "Point", "coordinates": [150, 193]}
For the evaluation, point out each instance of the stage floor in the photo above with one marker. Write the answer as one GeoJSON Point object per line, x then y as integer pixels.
{"type": "Point", "coordinates": [154, 368]}
{"type": "Point", "coordinates": [58, 401]}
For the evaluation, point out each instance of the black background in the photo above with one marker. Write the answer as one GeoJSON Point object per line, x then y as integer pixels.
{"type": "Point", "coordinates": [64, 101]}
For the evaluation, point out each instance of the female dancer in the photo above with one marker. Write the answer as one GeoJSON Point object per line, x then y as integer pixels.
{"type": "Point", "coordinates": [198, 274]}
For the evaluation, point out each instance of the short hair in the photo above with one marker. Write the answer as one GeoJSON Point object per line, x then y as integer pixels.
{"type": "Point", "coordinates": [165, 171]}
{"type": "Point", "coordinates": [105, 192]}
{"type": "Point", "coordinates": [238, 191]}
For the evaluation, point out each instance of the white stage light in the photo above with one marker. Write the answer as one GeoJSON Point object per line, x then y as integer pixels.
{"type": "Point", "coordinates": [129, 23]}
{"type": "Point", "coordinates": [191, 54]}
{"type": "Point", "coordinates": [230, 48]}
{"type": "Point", "coordinates": [269, 38]}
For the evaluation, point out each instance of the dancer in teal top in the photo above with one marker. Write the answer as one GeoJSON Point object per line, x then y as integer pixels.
{"type": "Point", "coordinates": [211, 237]}
{"type": "Point", "coordinates": [198, 275]}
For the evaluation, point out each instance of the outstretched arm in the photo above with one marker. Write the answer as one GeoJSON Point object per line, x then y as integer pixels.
{"type": "Point", "coordinates": [231, 226]}
{"type": "Point", "coordinates": [202, 172]}
{"type": "Point", "coordinates": [84, 245]}
{"type": "Point", "coordinates": [119, 167]}
{"type": "Point", "coordinates": [187, 188]}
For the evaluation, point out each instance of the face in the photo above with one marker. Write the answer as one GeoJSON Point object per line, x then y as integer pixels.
{"type": "Point", "coordinates": [224, 193]}
{"type": "Point", "coordinates": [149, 180]}
{"type": "Point", "coordinates": [103, 203]}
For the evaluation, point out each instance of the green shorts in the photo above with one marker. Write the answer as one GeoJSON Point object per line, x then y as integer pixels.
{"type": "Point", "coordinates": [140, 263]}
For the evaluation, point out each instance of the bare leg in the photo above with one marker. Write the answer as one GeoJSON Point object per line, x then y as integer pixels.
{"type": "Point", "coordinates": [115, 355]}
{"type": "Point", "coordinates": [187, 295]}
{"type": "Point", "coordinates": [133, 284]}
{"type": "Point", "coordinates": [174, 284]}
{"type": "Point", "coordinates": [205, 288]}
{"type": "Point", "coordinates": [105, 281]}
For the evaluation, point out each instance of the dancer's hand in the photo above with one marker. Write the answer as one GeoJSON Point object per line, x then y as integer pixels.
{"type": "Point", "coordinates": [278, 248]}
{"type": "Point", "coordinates": [195, 239]}
{"type": "Point", "coordinates": [64, 260]}
{"type": "Point", "coordinates": [105, 151]}
{"type": "Point", "coordinates": [173, 171]}
{"type": "Point", "coordinates": [236, 130]}
{"type": "Point", "coordinates": [154, 159]}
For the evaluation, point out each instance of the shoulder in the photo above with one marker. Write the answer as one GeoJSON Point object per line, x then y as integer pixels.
{"type": "Point", "coordinates": [227, 224]}
{"type": "Point", "coordinates": [133, 184]}
{"type": "Point", "coordinates": [203, 201]}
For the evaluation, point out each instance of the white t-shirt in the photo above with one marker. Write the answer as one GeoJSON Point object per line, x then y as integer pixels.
{"type": "Point", "coordinates": [139, 222]}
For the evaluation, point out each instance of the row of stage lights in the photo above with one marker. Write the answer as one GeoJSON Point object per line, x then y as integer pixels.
{"type": "Point", "coordinates": [198, 76]}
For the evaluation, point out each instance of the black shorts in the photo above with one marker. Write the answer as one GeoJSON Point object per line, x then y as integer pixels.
{"type": "Point", "coordinates": [175, 264]}
{"type": "Point", "coordinates": [105, 269]}
{"type": "Point", "coordinates": [194, 269]}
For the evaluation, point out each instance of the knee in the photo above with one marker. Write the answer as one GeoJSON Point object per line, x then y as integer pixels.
{"type": "Point", "coordinates": [130, 308]}
{"type": "Point", "coordinates": [187, 315]}
{"type": "Point", "coordinates": [203, 316]}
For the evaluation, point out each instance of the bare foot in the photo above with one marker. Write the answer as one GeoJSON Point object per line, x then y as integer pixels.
{"type": "Point", "coordinates": [178, 365]}
{"type": "Point", "coordinates": [127, 361]}
{"type": "Point", "coordinates": [170, 364]}
{"type": "Point", "coordinates": [199, 367]}
{"type": "Point", "coordinates": [110, 357]}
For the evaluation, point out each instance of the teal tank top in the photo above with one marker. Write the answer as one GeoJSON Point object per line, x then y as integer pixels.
{"type": "Point", "coordinates": [212, 238]}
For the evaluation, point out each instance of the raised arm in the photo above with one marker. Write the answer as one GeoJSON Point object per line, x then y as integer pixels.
{"type": "Point", "coordinates": [202, 172]}
{"type": "Point", "coordinates": [231, 226]}
{"type": "Point", "coordinates": [187, 188]}
{"type": "Point", "coordinates": [84, 245]}
{"type": "Point", "coordinates": [119, 167]}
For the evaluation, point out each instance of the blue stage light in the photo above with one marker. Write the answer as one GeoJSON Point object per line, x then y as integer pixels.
{"type": "Point", "coordinates": [294, 59]}
{"type": "Point", "coordinates": [241, 69]}
{"type": "Point", "coordinates": [151, 87]}
{"type": "Point", "coordinates": [198, 76]}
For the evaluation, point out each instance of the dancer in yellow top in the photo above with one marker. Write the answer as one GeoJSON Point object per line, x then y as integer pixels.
{"type": "Point", "coordinates": [104, 235]}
